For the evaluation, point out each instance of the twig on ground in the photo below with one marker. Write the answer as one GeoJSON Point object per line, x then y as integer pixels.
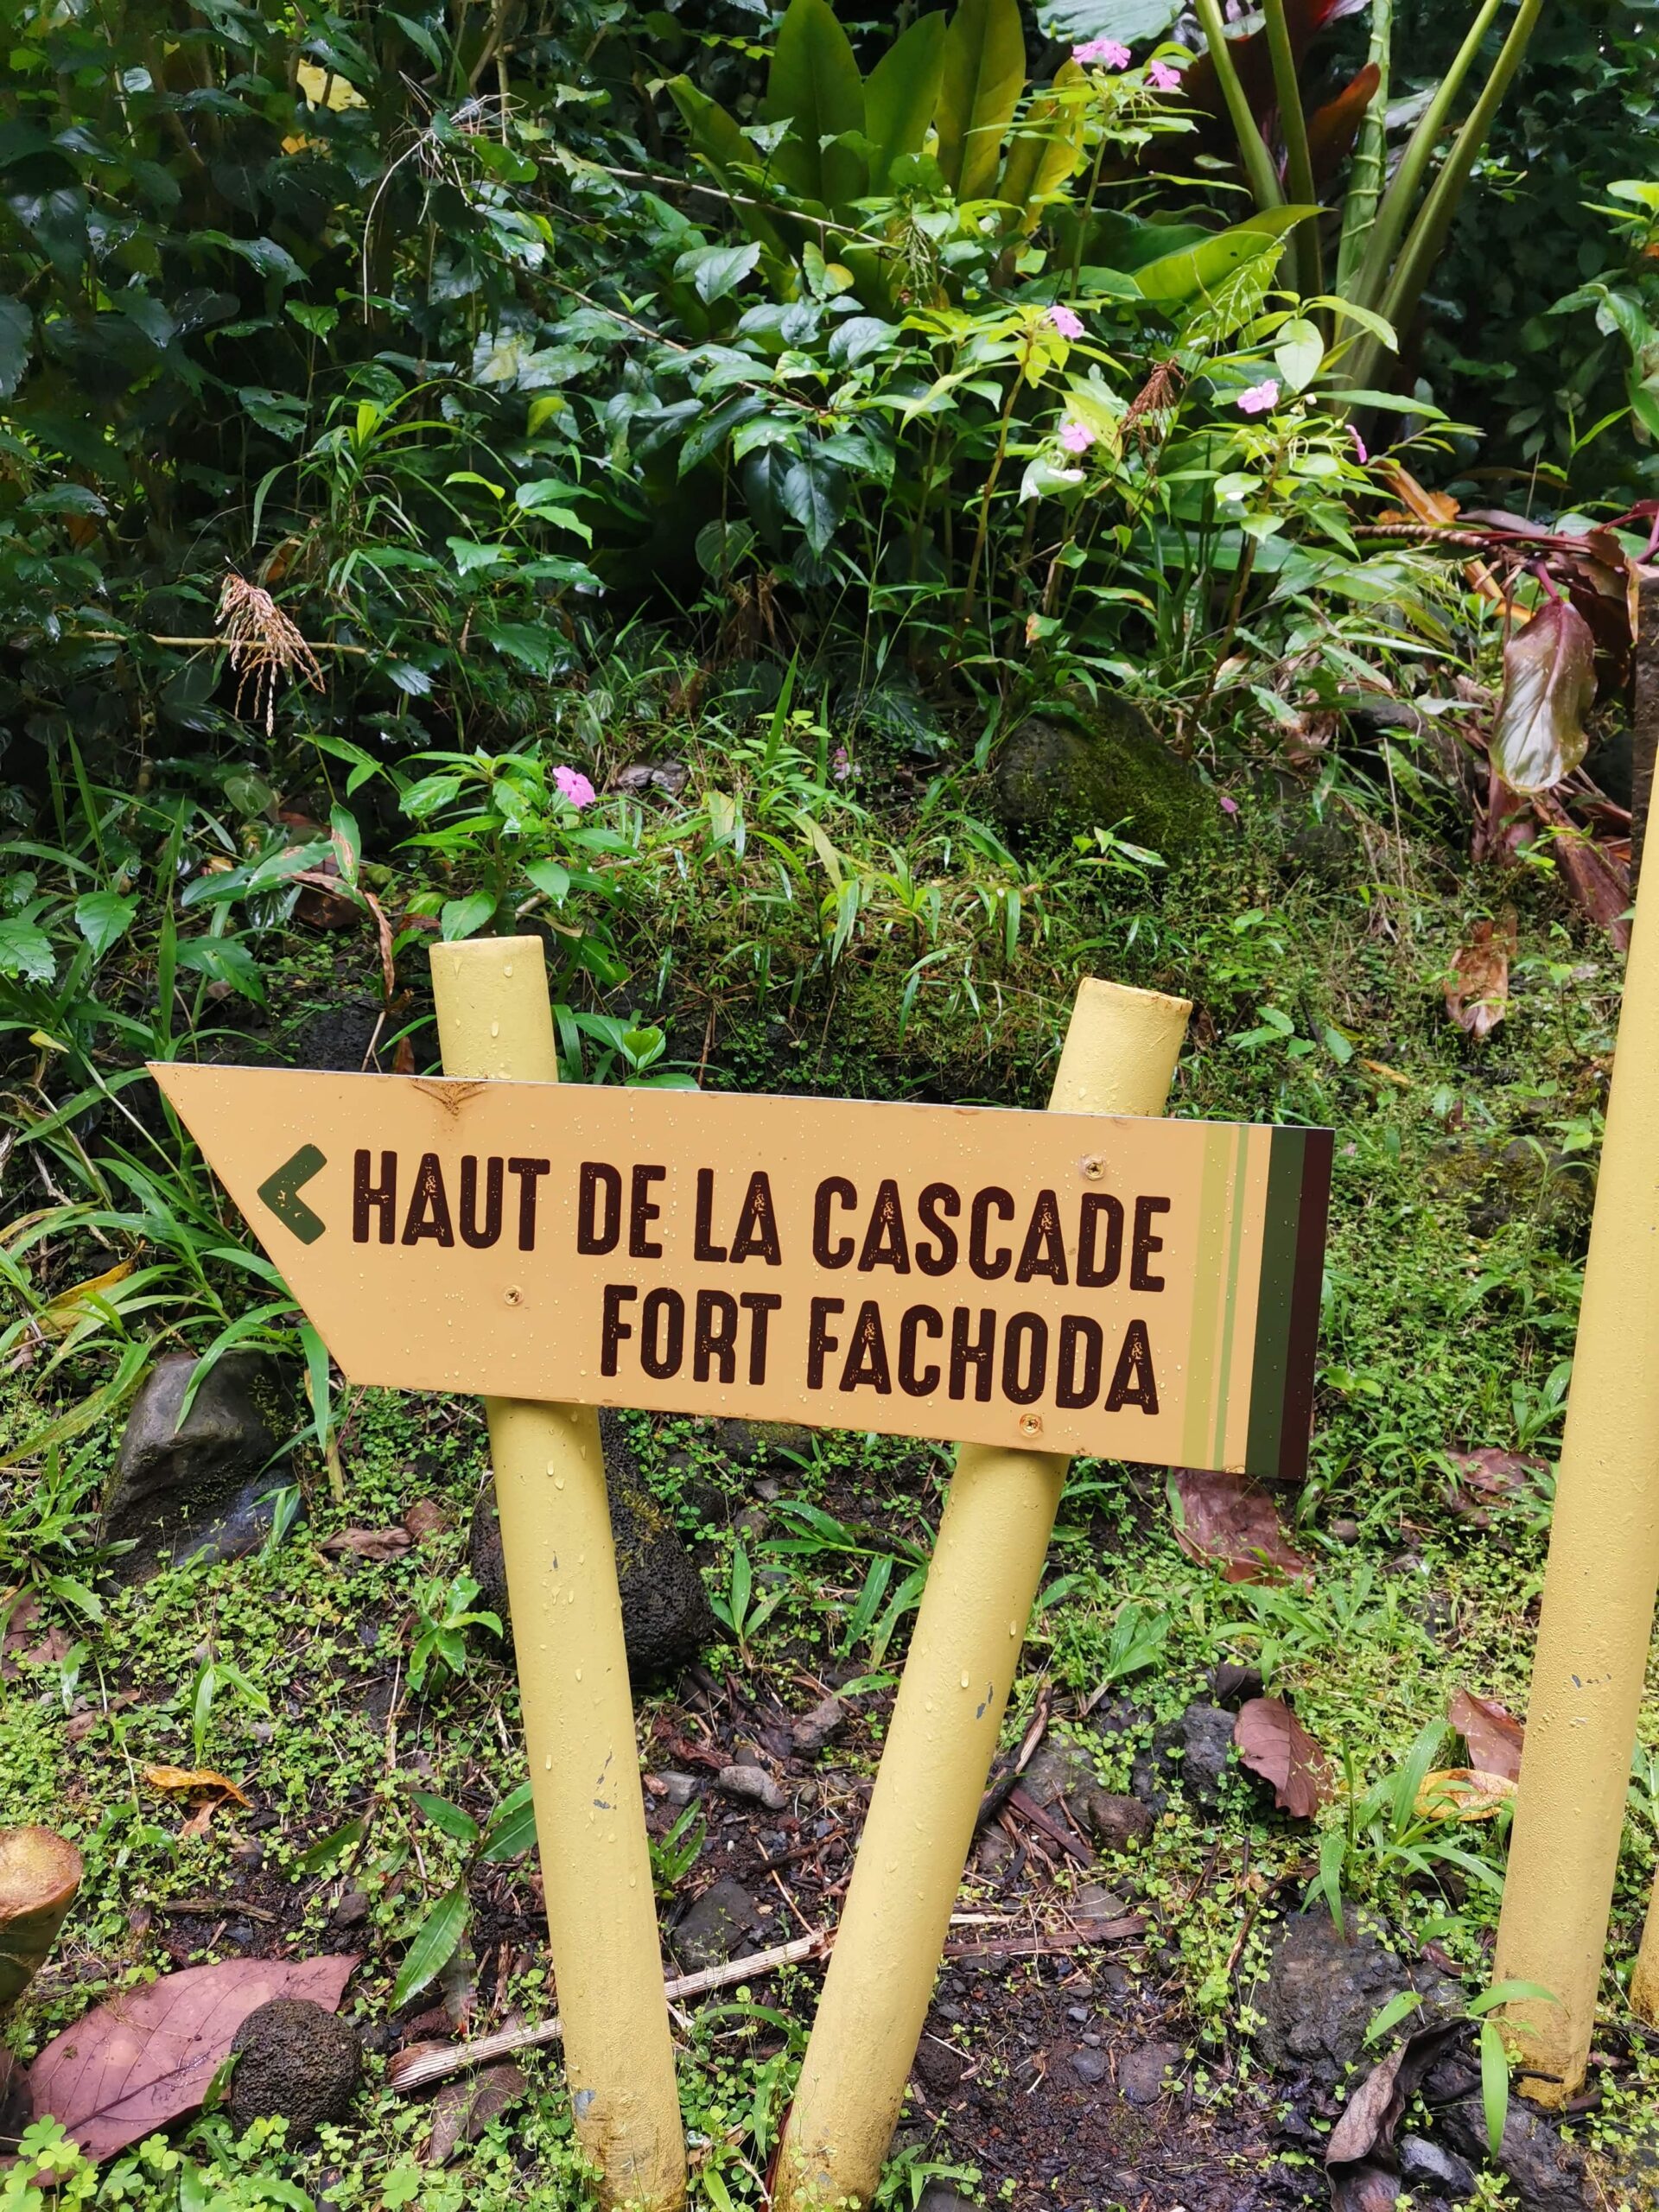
{"type": "Point", "coordinates": [413, 2069]}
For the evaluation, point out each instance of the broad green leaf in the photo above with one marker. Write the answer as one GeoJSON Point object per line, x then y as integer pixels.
{"type": "Point", "coordinates": [1297, 351]}
{"type": "Point", "coordinates": [1044, 151]}
{"type": "Point", "coordinates": [17, 325]}
{"type": "Point", "coordinates": [330, 1849]}
{"type": "Point", "coordinates": [465, 917]}
{"type": "Point", "coordinates": [279, 412]}
{"type": "Point", "coordinates": [1131, 22]}
{"type": "Point", "coordinates": [900, 95]}
{"type": "Point", "coordinates": [432, 1947]}
{"type": "Point", "coordinates": [549, 877]}
{"type": "Point", "coordinates": [103, 918]}
{"type": "Point", "coordinates": [25, 952]}
{"type": "Point", "coordinates": [1177, 277]}
{"type": "Point", "coordinates": [984, 75]}
{"type": "Point", "coordinates": [536, 650]}
{"type": "Point", "coordinates": [814, 85]}
{"type": "Point", "coordinates": [514, 1828]}
{"type": "Point", "coordinates": [727, 156]}
{"type": "Point", "coordinates": [715, 271]}
{"type": "Point", "coordinates": [223, 960]}
{"type": "Point", "coordinates": [454, 1821]}
{"type": "Point", "coordinates": [814, 492]}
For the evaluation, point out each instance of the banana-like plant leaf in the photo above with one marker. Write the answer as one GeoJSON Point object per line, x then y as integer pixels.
{"type": "Point", "coordinates": [1333, 129]}
{"type": "Point", "coordinates": [1177, 277]}
{"type": "Point", "coordinates": [1130, 21]}
{"type": "Point", "coordinates": [984, 76]}
{"type": "Point", "coordinates": [1549, 680]}
{"type": "Point", "coordinates": [900, 94]}
{"type": "Point", "coordinates": [727, 153]}
{"type": "Point", "coordinates": [814, 87]}
{"type": "Point", "coordinates": [1044, 150]}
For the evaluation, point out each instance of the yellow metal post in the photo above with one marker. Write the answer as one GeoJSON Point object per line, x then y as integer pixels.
{"type": "Point", "coordinates": [1598, 1587]}
{"type": "Point", "coordinates": [1120, 1055]}
{"type": "Point", "coordinates": [494, 1021]}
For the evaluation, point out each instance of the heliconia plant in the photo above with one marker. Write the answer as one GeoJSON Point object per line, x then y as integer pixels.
{"type": "Point", "coordinates": [1390, 233]}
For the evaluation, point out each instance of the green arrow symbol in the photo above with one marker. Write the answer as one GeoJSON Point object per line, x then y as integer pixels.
{"type": "Point", "coordinates": [281, 1192]}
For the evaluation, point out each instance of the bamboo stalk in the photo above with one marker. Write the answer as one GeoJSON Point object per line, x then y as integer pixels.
{"type": "Point", "coordinates": [40, 1875]}
{"type": "Point", "coordinates": [1252, 147]}
{"type": "Point", "coordinates": [1299, 162]}
{"type": "Point", "coordinates": [1370, 167]}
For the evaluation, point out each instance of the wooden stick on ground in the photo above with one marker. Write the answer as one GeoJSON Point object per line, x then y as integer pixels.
{"type": "Point", "coordinates": [413, 2069]}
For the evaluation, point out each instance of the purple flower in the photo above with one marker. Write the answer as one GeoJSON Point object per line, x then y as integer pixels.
{"type": "Point", "coordinates": [574, 786]}
{"type": "Point", "coordinates": [1260, 399]}
{"type": "Point", "coordinates": [1359, 445]}
{"type": "Point", "coordinates": [1227, 805]}
{"type": "Point", "coordinates": [839, 766]}
{"type": "Point", "coordinates": [1076, 437]}
{"type": "Point", "coordinates": [1068, 323]}
{"type": "Point", "coordinates": [1104, 51]}
{"type": "Point", "coordinates": [1163, 78]}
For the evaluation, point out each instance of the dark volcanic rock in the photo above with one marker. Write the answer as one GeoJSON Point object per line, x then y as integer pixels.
{"type": "Point", "coordinates": [1546, 2174]}
{"type": "Point", "coordinates": [202, 1489]}
{"type": "Point", "coordinates": [296, 2061]}
{"type": "Point", "coordinates": [763, 1444]}
{"type": "Point", "coordinates": [1424, 2165]}
{"type": "Point", "coordinates": [1055, 778]}
{"type": "Point", "coordinates": [1195, 1751]}
{"type": "Point", "coordinates": [1322, 1989]}
{"type": "Point", "coordinates": [720, 1925]}
{"type": "Point", "coordinates": [1065, 1771]}
{"type": "Point", "coordinates": [665, 1614]}
{"type": "Point", "coordinates": [1141, 2074]}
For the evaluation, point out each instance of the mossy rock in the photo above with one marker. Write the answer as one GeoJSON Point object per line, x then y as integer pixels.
{"type": "Point", "coordinates": [1056, 777]}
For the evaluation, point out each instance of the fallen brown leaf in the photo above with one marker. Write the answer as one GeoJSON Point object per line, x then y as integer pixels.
{"type": "Point", "coordinates": [1493, 1734]}
{"type": "Point", "coordinates": [1490, 1474]}
{"type": "Point", "coordinates": [368, 1543]}
{"type": "Point", "coordinates": [192, 1780]}
{"type": "Point", "coordinates": [424, 1519]}
{"type": "Point", "coordinates": [1477, 989]}
{"type": "Point", "coordinates": [1462, 1793]}
{"type": "Point", "coordinates": [1272, 1743]}
{"type": "Point", "coordinates": [1359, 2157]}
{"type": "Point", "coordinates": [462, 2110]}
{"type": "Point", "coordinates": [128, 2067]}
{"type": "Point", "coordinates": [1230, 1518]}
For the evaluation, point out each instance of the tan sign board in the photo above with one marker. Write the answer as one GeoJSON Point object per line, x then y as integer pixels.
{"type": "Point", "coordinates": [1133, 1289]}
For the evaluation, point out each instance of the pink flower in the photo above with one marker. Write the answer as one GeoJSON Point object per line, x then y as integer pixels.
{"type": "Point", "coordinates": [574, 786]}
{"type": "Point", "coordinates": [1359, 445]}
{"type": "Point", "coordinates": [840, 765]}
{"type": "Point", "coordinates": [1162, 78]}
{"type": "Point", "coordinates": [1069, 324]}
{"type": "Point", "coordinates": [1076, 437]}
{"type": "Point", "coordinates": [1227, 805]}
{"type": "Point", "coordinates": [1260, 399]}
{"type": "Point", "coordinates": [1104, 51]}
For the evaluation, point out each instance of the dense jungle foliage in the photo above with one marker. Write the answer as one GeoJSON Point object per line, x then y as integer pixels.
{"type": "Point", "coordinates": [842, 523]}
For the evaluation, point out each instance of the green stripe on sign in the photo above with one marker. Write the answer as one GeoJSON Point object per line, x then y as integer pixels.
{"type": "Point", "coordinates": [1275, 1300]}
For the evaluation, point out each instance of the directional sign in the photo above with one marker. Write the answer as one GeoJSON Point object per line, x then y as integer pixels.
{"type": "Point", "coordinates": [1135, 1289]}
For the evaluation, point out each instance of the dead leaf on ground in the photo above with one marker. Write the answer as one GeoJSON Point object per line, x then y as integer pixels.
{"type": "Point", "coordinates": [1272, 1743]}
{"type": "Point", "coordinates": [368, 1543]}
{"type": "Point", "coordinates": [1492, 1732]}
{"type": "Point", "coordinates": [462, 2110]}
{"type": "Point", "coordinates": [1487, 1478]}
{"type": "Point", "coordinates": [1477, 989]}
{"type": "Point", "coordinates": [192, 1782]}
{"type": "Point", "coordinates": [425, 1519]}
{"type": "Point", "coordinates": [1231, 1519]}
{"type": "Point", "coordinates": [145, 2058]}
{"type": "Point", "coordinates": [1462, 1793]}
{"type": "Point", "coordinates": [1359, 2157]}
